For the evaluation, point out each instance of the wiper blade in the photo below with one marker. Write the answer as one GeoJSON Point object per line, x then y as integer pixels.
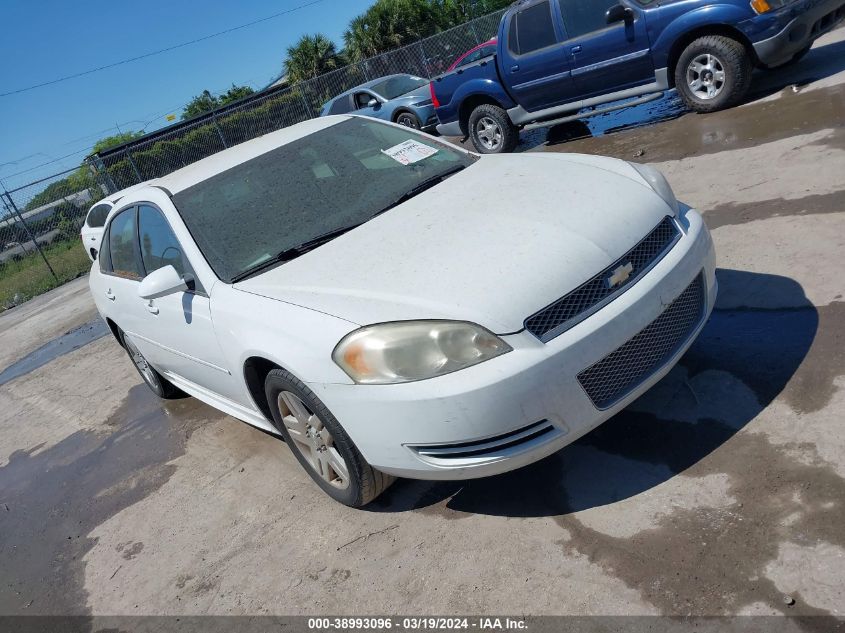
{"type": "Point", "coordinates": [428, 183]}
{"type": "Point", "coordinates": [293, 252]}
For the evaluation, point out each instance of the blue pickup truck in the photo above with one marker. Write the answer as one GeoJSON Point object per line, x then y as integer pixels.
{"type": "Point", "coordinates": [559, 60]}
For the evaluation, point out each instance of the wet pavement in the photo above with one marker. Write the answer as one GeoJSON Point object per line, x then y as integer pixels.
{"type": "Point", "coordinates": [64, 344]}
{"type": "Point", "coordinates": [721, 491]}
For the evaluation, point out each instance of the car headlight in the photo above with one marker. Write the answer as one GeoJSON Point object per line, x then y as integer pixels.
{"type": "Point", "coordinates": [405, 351]}
{"type": "Point", "coordinates": [658, 182]}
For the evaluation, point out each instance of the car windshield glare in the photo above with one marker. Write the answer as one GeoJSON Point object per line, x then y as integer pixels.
{"type": "Point", "coordinates": [393, 87]}
{"type": "Point", "coordinates": [338, 177]}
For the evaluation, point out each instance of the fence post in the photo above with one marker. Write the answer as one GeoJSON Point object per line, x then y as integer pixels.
{"type": "Point", "coordinates": [305, 105]}
{"type": "Point", "coordinates": [134, 167]}
{"type": "Point", "coordinates": [217, 127]}
{"type": "Point", "coordinates": [424, 58]}
{"type": "Point", "coordinates": [474, 32]}
{"type": "Point", "coordinates": [31, 236]}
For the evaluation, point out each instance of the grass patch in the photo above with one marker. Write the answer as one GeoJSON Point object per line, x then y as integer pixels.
{"type": "Point", "coordinates": [29, 276]}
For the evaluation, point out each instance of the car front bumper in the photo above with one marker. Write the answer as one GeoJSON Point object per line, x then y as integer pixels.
{"type": "Point", "coordinates": [803, 23]}
{"type": "Point", "coordinates": [524, 405]}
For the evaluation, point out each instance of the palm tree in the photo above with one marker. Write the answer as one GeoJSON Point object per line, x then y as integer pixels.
{"type": "Point", "coordinates": [311, 56]}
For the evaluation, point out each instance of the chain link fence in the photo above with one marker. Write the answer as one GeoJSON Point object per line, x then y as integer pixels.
{"type": "Point", "coordinates": [40, 222]}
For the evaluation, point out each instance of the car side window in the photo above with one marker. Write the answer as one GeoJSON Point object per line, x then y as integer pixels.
{"type": "Point", "coordinates": [340, 105]}
{"type": "Point", "coordinates": [581, 17]}
{"type": "Point", "coordinates": [362, 99]}
{"type": "Point", "coordinates": [97, 216]}
{"type": "Point", "coordinates": [159, 246]}
{"type": "Point", "coordinates": [104, 256]}
{"type": "Point", "coordinates": [123, 245]}
{"type": "Point", "coordinates": [474, 56]}
{"type": "Point", "coordinates": [533, 29]}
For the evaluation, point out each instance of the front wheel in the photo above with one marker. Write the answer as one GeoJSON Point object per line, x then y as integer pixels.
{"type": "Point", "coordinates": [320, 444]}
{"type": "Point", "coordinates": [491, 130]}
{"type": "Point", "coordinates": [408, 119]}
{"type": "Point", "coordinates": [713, 72]}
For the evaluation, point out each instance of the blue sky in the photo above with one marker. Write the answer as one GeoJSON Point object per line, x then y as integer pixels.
{"type": "Point", "coordinates": [47, 39]}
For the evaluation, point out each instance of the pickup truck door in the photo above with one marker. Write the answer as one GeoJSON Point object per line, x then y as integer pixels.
{"type": "Point", "coordinates": [606, 57]}
{"type": "Point", "coordinates": [535, 62]}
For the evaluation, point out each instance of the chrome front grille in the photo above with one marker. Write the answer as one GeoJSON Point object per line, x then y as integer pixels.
{"type": "Point", "coordinates": [623, 370]}
{"type": "Point", "coordinates": [596, 292]}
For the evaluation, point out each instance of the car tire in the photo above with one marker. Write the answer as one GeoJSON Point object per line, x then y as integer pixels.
{"type": "Point", "coordinates": [157, 383]}
{"type": "Point", "coordinates": [712, 73]}
{"type": "Point", "coordinates": [408, 119]}
{"type": "Point", "coordinates": [491, 130]}
{"type": "Point", "coordinates": [320, 444]}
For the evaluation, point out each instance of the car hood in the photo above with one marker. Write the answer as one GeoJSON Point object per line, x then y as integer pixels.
{"type": "Point", "coordinates": [492, 244]}
{"type": "Point", "coordinates": [420, 94]}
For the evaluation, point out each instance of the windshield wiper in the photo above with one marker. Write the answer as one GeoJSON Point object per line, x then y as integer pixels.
{"type": "Point", "coordinates": [428, 183]}
{"type": "Point", "coordinates": [295, 251]}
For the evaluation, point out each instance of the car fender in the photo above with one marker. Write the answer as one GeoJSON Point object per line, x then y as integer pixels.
{"type": "Point", "coordinates": [711, 15]}
{"type": "Point", "coordinates": [296, 338]}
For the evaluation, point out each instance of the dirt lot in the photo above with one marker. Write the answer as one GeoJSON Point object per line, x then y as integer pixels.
{"type": "Point", "coordinates": [721, 491]}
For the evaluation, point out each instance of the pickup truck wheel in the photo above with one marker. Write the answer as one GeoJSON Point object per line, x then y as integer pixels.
{"type": "Point", "coordinates": [713, 72]}
{"type": "Point", "coordinates": [320, 444]}
{"type": "Point", "coordinates": [491, 130]}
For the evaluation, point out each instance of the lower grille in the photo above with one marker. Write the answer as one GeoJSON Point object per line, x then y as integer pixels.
{"type": "Point", "coordinates": [487, 447]}
{"type": "Point", "coordinates": [623, 370]}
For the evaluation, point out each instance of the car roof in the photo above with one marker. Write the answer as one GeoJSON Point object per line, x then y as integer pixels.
{"type": "Point", "coordinates": [371, 83]}
{"type": "Point", "coordinates": [223, 160]}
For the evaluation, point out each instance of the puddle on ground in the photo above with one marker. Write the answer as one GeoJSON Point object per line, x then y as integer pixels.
{"type": "Point", "coordinates": [622, 134]}
{"type": "Point", "coordinates": [52, 498]}
{"type": "Point", "coordinates": [66, 343]}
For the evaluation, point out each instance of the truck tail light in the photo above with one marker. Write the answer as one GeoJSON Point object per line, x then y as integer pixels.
{"type": "Point", "coordinates": [433, 96]}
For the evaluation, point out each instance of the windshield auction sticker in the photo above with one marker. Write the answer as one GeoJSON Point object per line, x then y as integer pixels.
{"type": "Point", "coordinates": [409, 152]}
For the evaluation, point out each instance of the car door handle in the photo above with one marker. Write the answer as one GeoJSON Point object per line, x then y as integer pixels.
{"type": "Point", "coordinates": [110, 295]}
{"type": "Point", "coordinates": [151, 308]}
{"type": "Point", "coordinates": [575, 49]}
{"type": "Point", "coordinates": [514, 68]}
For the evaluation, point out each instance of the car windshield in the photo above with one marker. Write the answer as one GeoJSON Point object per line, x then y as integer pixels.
{"type": "Point", "coordinates": [393, 87]}
{"type": "Point", "coordinates": [338, 177]}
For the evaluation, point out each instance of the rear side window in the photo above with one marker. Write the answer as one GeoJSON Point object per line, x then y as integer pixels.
{"type": "Point", "coordinates": [97, 216]}
{"type": "Point", "coordinates": [123, 245]}
{"type": "Point", "coordinates": [532, 28]}
{"type": "Point", "coordinates": [340, 105]}
{"type": "Point", "coordinates": [581, 17]}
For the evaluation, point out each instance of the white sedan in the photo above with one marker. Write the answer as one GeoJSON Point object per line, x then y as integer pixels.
{"type": "Point", "coordinates": [392, 305]}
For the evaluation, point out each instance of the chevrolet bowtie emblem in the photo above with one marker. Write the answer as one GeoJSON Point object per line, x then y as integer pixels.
{"type": "Point", "coordinates": [619, 275]}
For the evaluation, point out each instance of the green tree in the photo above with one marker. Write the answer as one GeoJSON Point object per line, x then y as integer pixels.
{"type": "Point", "coordinates": [311, 56]}
{"type": "Point", "coordinates": [203, 102]}
{"type": "Point", "coordinates": [115, 140]}
{"type": "Point", "coordinates": [235, 93]}
{"type": "Point", "coordinates": [389, 24]}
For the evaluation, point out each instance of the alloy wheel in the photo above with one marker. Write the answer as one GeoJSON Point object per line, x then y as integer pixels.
{"type": "Point", "coordinates": [407, 120]}
{"type": "Point", "coordinates": [706, 76]}
{"type": "Point", "coordinates": [313, 440]}
{"type": "Point", "coordinates": [140, 362]}
{"type": "Point", "coordinates": [489, 133]}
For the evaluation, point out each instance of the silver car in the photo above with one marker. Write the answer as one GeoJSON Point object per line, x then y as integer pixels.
{"type": "Point", "coordinates": [402, 99]}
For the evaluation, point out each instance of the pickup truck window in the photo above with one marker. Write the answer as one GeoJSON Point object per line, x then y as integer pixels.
{"type": "Point", "coordinates": [581, 17]}
{"type": "Point", "coordinates": [533, 29]}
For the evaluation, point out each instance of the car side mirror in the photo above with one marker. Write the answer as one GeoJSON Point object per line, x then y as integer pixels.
{"type": "Point", "coordinates": [372, 103]}
{"type": "Point", "coordinates": [162, 282]}
{"type": "Point", "coordinates": [618, 13]}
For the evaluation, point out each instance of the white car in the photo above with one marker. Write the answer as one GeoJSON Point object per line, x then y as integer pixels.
{"type": "Point", "coordinates": [393, 305]}
{"type": "Point", "coordinates": [92, 229]}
